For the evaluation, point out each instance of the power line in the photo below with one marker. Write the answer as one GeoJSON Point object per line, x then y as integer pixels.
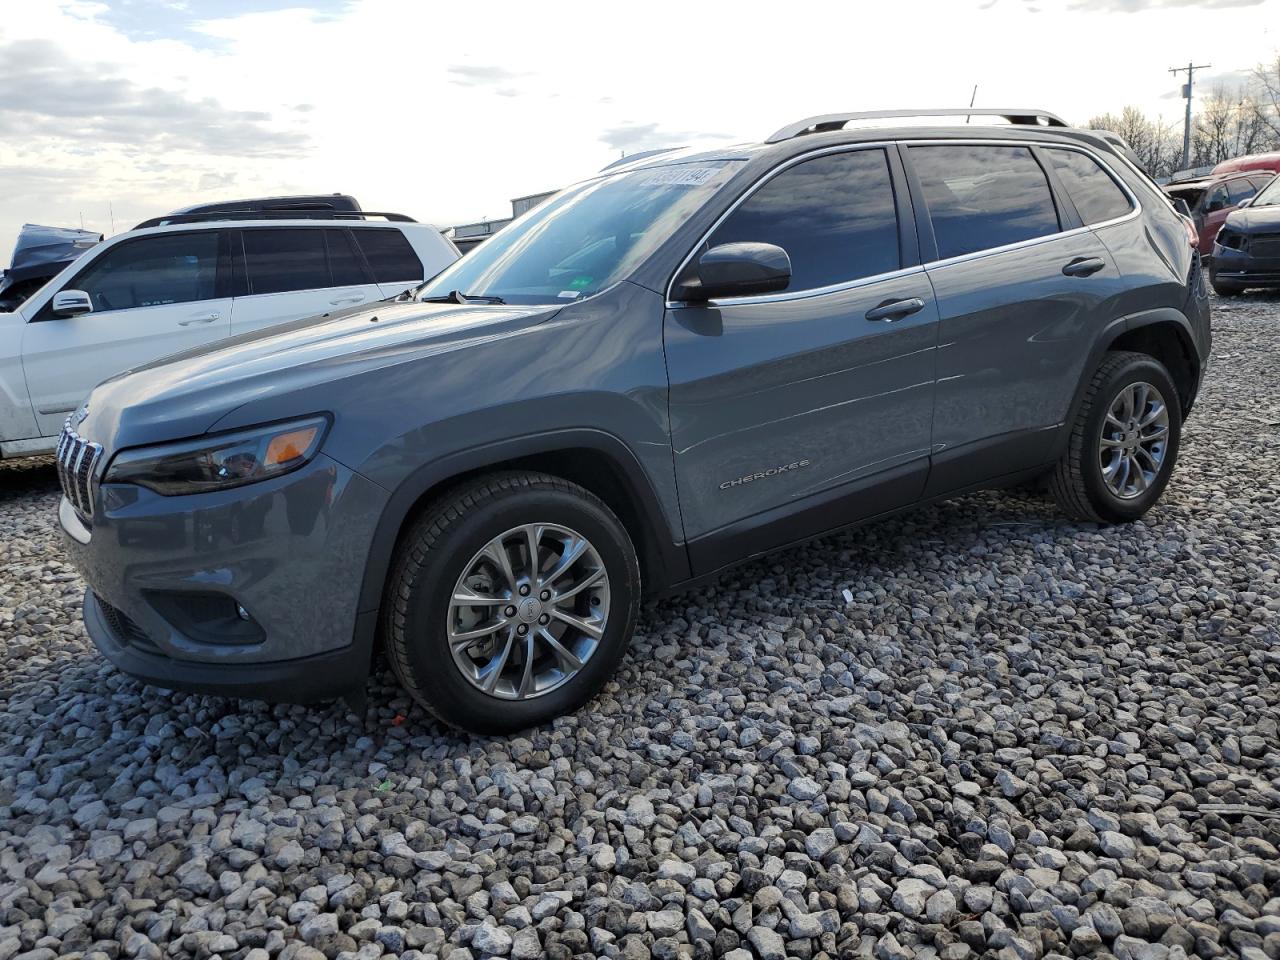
{"type": "Point", "coordinates": [1191, 69]}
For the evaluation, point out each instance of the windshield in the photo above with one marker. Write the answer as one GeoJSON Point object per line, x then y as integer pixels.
{"type": "Point", "coordinates": [584, 238]}
{"type": "Point", "coordinates": [1269, 195]}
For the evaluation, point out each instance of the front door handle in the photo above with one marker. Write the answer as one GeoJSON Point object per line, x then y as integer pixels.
{"type": "Point", "coordinates": [1083, 266]}
{"type": "Point", "coordinates": [206, 318]}
{"type": "Point", "coordinates": [337, 301]}
{"type": "Point", "coordinates": [892, 310]}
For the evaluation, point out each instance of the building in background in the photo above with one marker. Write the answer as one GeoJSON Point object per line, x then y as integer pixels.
{"type": "Point", "coordinates": [468, 235]}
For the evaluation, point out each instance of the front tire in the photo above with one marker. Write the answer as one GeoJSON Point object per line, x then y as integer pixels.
{"type": "Point", "coordinates": [511, 601]}
{"type": "Point", "coordinates": [1123, 444]}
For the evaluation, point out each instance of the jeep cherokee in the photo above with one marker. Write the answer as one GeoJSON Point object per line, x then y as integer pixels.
{"type": "Point", "coordinates": [686, 361]}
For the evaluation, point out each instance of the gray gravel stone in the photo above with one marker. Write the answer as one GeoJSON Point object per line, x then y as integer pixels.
{"type": "Point", "coordinates": [973, 730]}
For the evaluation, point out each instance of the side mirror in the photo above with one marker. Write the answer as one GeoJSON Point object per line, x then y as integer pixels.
{"type": "Point", "coordinates": [738, 270]}
{"type": "Point", "coordinates": [1244, 203]}
{"type": "Point", "coordinates": [71, 303]}
{"type": "Point", "coordinates": [1181, 206]}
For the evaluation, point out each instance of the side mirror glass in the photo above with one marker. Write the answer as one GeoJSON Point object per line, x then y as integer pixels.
{"type": "Point", "coordinates": [71, 303]}
{"type": "Point", "coordinates": [738, 270]}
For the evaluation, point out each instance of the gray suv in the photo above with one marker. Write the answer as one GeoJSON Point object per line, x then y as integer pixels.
{"type": "Point", "coordinates": [687, 361]}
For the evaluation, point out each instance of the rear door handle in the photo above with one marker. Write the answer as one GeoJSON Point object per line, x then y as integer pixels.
{"type": "Point", "coordinates": [1083, 266]}
{"type": "Point", "coordinates": [356, 298]}
{"type": "Point", "coordinates": [206, 318]}
{"type": "Point", "coordinates": [892, 310]}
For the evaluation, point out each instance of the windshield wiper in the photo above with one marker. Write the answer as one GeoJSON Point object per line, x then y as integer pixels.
{"type": "Point", "coordinates": [457, 296]}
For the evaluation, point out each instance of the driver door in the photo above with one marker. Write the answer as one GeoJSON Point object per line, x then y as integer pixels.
{"type": "Point", "coordinates": [797, 412]}
{"type": "Point", "coordinates": [152, 296]}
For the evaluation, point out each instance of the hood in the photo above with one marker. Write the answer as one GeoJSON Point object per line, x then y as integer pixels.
{"type": "Point", "coordinates": [44, 251]}
{"type": "Point", "coordinates": [1252, 219]}
{"type": "Point", "coordinates": [186, 394]}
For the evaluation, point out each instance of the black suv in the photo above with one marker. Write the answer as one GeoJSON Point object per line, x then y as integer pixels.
{"type": "Point", "coordinates": [684, 362]}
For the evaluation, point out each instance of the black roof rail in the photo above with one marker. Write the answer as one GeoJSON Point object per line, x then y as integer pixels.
{"type": "Point", "coordinates": [172, 218]}
{"type": "Point", "coordinates": [835, 121]}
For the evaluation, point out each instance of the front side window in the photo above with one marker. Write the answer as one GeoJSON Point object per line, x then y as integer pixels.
{"type": "Point", "coordinates": [834, 215]}
{"type": "Point", "coordinates": [1217, 198]}
{"type": "Point", "coordinates": [152, 271]}
{"type": "Point", "coordinates": [1238, 190]}
{"type": "Point", "coordinates": [283, 260]}
{"type": "Point", "coordinates": [980, 197]}
{"type": "Point", "coordinates": [1097, 197]}
{"type": "Point", "coordinates": [586, 237]}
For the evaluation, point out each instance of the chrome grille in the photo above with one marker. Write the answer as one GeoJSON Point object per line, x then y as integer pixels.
{"type": "Point", "coordinates": [78, 461]}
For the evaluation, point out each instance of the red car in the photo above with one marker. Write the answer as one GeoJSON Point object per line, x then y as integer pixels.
{"type": "Point", "coordinates": [1268, 162]}
{"type": "Point", "coordinates": [1211, 198]}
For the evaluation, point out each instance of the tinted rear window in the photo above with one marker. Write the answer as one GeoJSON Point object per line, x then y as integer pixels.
{"type": "Point", "coordinates": [1097, 197]}
{"type": "Point", "coordinates": [390, 255]}
{"type": "Point", "coordinates": [344, 263]}
{"type": "Point", "coordinates": [834, 215]}
{"type": "Point", "coordinates": [982, 197]}
{"type": "Point", "coordinates": [287, 259]}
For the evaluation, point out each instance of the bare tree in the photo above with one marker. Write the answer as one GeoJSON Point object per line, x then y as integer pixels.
{"type": "Point", "coordinates": [1154, 142]}
{"type": "Point", "coordinates": [1228, 124]}
{"type": "Point", "coordinates": [1266, 94]}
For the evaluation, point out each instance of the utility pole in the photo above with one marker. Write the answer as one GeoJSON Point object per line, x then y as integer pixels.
{"type": "Point", "coordinates": [1191, 69]}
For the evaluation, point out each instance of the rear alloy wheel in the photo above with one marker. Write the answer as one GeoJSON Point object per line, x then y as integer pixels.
{"type": "Point", "coordinates": [1124, 443]}
{"type": "Point", "coordinates": [511, 602]}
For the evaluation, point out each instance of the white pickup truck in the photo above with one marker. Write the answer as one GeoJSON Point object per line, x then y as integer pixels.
{"type": "Point", "coordinates": [186, 280]}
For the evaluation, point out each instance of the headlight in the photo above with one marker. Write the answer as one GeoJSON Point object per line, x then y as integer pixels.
{"type": "Point", "coordinates": [1230, 239]}
{"type": "Point", "coordinates": [218, 462]}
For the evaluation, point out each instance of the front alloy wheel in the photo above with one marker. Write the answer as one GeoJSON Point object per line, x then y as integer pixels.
{"type": "Point", "coordinates": [511, 601]}
{"type": "Point", "coordinates": [528, 611]}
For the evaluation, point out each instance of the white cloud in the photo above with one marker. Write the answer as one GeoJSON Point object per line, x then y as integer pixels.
{"type": "Point", "coordinates": [445, 111]}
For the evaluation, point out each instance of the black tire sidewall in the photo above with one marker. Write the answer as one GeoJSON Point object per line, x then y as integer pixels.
{"type": "Point", "coordinates": [451, 696]}
{"type": "Point", "coordinates": [1107, 504]}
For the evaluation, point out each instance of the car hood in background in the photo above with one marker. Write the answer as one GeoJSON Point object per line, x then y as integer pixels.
{"type": "Point", "coordinates": [188, 393]}
{"type": "Point", "coordinates": [1252, 219]}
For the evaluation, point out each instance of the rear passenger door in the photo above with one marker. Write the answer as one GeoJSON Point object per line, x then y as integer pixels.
{"type": "Point", "coordinates": [391, 258]}
{"type": "Point", "coordinates": [1023, 289]}
{"type": "Point", "coordinates": [797, 412]}
{"type": "Point", "coordinates": [296, 272]}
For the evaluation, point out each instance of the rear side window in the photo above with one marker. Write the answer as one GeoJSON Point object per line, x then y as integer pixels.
{"type": "Point", "coordinates": [1097, 197]}
{"type": "Point", "coordinates": [982, 197]}
{"type": "Point", "coordinates": [279, 261]}
{"type": "Point", "coordinates": [834, 215]}
{"type": "Point", "coordinates": [151, 271]}
{"type": "Point", "coordinates": [389, 254]}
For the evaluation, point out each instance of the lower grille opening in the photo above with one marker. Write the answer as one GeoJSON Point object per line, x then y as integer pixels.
{"type": "Point", "coordinates": [125, 629]}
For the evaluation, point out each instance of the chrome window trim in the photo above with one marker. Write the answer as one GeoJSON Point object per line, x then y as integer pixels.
{"type": "Point", "coordinates": [786, 295]}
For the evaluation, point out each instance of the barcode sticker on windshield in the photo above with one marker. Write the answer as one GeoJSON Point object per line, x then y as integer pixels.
{"type": "Point", "coordinates": [569, 294]}
{"type": "Point", "coordinates": [678, 176]}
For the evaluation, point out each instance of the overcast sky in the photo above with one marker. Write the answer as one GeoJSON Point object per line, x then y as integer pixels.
{"type": "Point", "coordinates": [447, 110]}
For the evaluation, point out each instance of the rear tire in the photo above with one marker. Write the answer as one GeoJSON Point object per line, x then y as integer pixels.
{"type": "Point", "coordinates": [531, 659]}
{"type": "Point", "coordinates": [1115, 468]}
{"type": "Point", "coordinates": [1224, 289]}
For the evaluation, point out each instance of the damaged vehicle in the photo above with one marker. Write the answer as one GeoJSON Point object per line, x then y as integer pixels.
{"type": "Point", "coordinates": [1246, 252]}
{"type": "Point", "coordinates": [40, 254]}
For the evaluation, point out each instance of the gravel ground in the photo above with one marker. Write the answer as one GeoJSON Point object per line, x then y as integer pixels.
{"type": "Point", "coordinates": [975, 729]}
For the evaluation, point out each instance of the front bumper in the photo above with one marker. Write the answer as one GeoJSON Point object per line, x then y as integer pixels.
{"type": "Point", "coordinates": [1240, 267]}
{"type": "Point", "coordinates": [285, 556]}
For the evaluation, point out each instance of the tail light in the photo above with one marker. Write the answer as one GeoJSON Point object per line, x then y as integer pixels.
{"type": "Point", "coordinates": [1193, 236]}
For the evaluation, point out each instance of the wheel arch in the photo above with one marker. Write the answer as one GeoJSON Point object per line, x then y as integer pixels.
{"type": "Point", "coordinates": [593, 459]}
{"type": "Point", "coordinates": [1165, 334]}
